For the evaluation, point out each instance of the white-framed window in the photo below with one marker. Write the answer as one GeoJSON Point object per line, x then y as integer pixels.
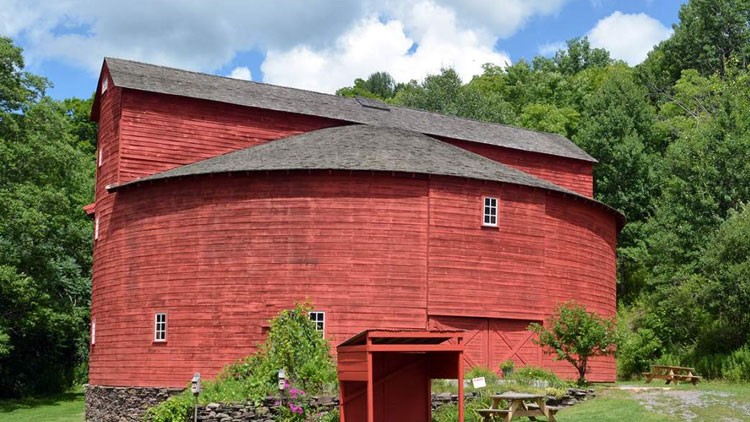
{"type": "Point", "coordinates": [96, 228]}
{"type": "Point", "coordinates": [160, 326]}
{"type": "Point", "coordinates": [93, 332]}
{"type": "Point", "coordinates": [319, 318]}
{"type": "Point", "coordinates": [489, 217]}
{"type": "Point", "coordinates": [105, 84]}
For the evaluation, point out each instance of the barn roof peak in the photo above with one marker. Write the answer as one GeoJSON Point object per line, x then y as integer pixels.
{"type": "Point", "coordinates": [165, 80]}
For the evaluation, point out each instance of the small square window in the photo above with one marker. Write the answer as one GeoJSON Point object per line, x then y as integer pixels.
{"type": "Point", "coordinates": [489, 217]}
{"type": "Point", "coordinates": [319, 318]}
{"type": "Point", "coordinates": [160, 327]}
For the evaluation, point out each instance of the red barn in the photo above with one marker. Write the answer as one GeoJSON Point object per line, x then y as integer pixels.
{"type": "Point", "coordinates": [220, 202]}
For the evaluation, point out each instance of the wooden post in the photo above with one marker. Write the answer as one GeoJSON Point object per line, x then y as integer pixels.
{"type": "Point", "coordinates": [460, 357]}
{"type": "Point", "coordinates": [370, 387]}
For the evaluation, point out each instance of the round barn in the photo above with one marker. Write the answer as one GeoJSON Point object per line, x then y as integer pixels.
{"type": "Point", "coordinates": [220, 202]}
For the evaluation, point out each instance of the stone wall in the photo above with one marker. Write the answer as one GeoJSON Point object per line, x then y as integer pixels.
{"type": "Point", "coordinates": [122, 404]}
{"type": "Point", "coordinates": [267, 412]}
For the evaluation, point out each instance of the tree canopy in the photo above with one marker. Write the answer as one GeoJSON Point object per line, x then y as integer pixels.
{"type": "Point", "coordinates": [45, 238]}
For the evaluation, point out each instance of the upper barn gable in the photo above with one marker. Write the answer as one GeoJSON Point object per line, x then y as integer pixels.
{"type": "Point", "coordinates": [164, 80]}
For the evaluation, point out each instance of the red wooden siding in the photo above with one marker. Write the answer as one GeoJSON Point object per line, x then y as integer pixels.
{"type": "Point", "coordinates": [161, 132]}
{"type": "Point", "coordinates": [222, 255]}
{"type": "Point", "coordinates": [498, 269]}
{"type": "Point", "coordinates": [575, 175]}
{"type": "Point", "coordinates": [580, 248]}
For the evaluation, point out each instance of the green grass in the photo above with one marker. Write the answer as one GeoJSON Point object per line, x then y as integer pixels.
{"type": "Point", "coordinates": [611, 405]}
{"type": "Point", "coordinates": [66, 407]}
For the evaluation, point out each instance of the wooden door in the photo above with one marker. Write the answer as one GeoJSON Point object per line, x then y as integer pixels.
{"type": "Point", "coordinates": [511, 339]}
{"type": "Point", "coordinates": [476, 346]}
{"type": "Point", "coordinates": [490, 341]}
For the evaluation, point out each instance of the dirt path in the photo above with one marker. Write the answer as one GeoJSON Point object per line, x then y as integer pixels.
{"type": "Point", "coordinates": [692, 405]}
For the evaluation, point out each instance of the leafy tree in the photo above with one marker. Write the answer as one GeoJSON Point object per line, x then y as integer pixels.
{"type": "Point", "coordinates": [45, 238]}
{"type": "Point", "coordinates": [579, 56]}
{"type": "Point", "coordinates": [445, 93]}
{"type": "Point", "coordinates": [575, 335]}
{"type": "Point", "coordinates": [725, 270]}
{"type": "Point", "coordinates": [380, 85]}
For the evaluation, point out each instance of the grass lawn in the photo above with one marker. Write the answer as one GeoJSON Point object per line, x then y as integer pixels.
{"type": "Point", "coordinates": [67, 407]}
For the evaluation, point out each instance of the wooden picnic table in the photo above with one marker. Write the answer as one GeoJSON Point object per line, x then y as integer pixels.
{"type": "Point", "coordinates": [672, 373]}
{"type": "Point", "coordinates": [519, 405]}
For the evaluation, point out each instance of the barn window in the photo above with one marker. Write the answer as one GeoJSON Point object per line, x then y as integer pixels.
{"type": "Point", "coordinates": [100, 158]}
{"type": "Point", "coordinates": [490, 212]}
{"type": "Point", "coordinates": [93, 332]}
{"type": "Point", "coordinates": [319, 318]}
{"type": "Point", "coordinates": [105, 84]}
{"type": "Point", "coordinates": [160, 327]}
{"type": "Point", "coordinates": [96, 229]}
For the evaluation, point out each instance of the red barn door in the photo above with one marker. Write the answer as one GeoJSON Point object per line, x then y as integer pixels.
{"type": "Point", "coordinates": [510, 339]}
{"type": "Point", "coordinates": [476, 344]}
{"type": "Point", "coordinates": [489, 341]}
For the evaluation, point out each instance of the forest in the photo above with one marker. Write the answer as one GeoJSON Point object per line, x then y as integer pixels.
{"type": "Point", "coordinates": [671, 136]}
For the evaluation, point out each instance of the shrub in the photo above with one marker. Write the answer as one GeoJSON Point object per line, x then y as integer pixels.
{"type": "Point", "coordinates": [293, 343]}
{"type": "Point", "coordinates": [575, 335]}
{"type": "Point", "coordinates": [737, 367]}
{"type": "Point", "coordinates": [527, 374]}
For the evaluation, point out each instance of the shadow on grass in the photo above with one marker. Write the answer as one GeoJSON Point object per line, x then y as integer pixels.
{"type": "Point", "coordinates": [9, 405]}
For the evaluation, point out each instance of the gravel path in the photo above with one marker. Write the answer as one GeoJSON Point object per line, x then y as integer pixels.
{"type": "Point", "coordinates": [683, 403]}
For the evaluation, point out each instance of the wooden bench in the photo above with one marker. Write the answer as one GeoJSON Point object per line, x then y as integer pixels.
{"type": "Point", "coordinates": [488, 414]}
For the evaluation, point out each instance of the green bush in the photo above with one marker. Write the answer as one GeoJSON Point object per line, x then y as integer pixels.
{"type": "Point", "coordinates": [526, 375]}
{"type": "Point", "coordinates": [293, 343]}
{"type": "Point", "coordinates": [637, 347]}
{"type": "Point", "coordinates": [737, 367]}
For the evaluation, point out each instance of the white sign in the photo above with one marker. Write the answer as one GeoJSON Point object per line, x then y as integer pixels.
{"type": "Point", "coordinates": [478, 382]}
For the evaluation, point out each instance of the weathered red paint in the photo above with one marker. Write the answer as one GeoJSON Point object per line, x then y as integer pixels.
{"type": "Point", "coordinates": [223, 254]}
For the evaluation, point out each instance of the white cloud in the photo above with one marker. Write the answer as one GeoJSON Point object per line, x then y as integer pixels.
{"type": "Point", "coordinates": [197, 35]}
{"type": "Point", "coordinates": [241, 72]}
{"type": "Point", "coordinates": [503, 18]}
{"type": "Point", "coordinates": [373, 45]}
{"type": "Point", "coordinates": [549, 49]}
{"type": "Point", "coordinates": [320, 44]}
{"type": "Point", "coordinates": [628, 37]}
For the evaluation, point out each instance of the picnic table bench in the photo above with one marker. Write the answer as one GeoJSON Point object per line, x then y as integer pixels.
{"type": "Point", "coordinates": [672, 373]}
{"type": "Point", "coordinates": [519, 405]}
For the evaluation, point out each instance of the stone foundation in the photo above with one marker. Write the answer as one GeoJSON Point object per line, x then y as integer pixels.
{"type": "Point", "coordinates": [122, 404]}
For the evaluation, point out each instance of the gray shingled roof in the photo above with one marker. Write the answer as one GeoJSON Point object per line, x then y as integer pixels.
{"type": "Point", "coordinates": [361, 148]}
{"type": "Point", "coordinates": [164, 80]}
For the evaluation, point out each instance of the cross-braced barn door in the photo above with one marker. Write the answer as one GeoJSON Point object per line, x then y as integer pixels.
{"type": "Point", "coordinates": [490, 341]}
{"type": "Point", "coordinates": [511, 339]}
{"type": "Point", "coordinates": [476, 345]}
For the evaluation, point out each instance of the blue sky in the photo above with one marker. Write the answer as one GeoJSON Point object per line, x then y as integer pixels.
{"type": "Point", "coordinates": [319, 44]}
